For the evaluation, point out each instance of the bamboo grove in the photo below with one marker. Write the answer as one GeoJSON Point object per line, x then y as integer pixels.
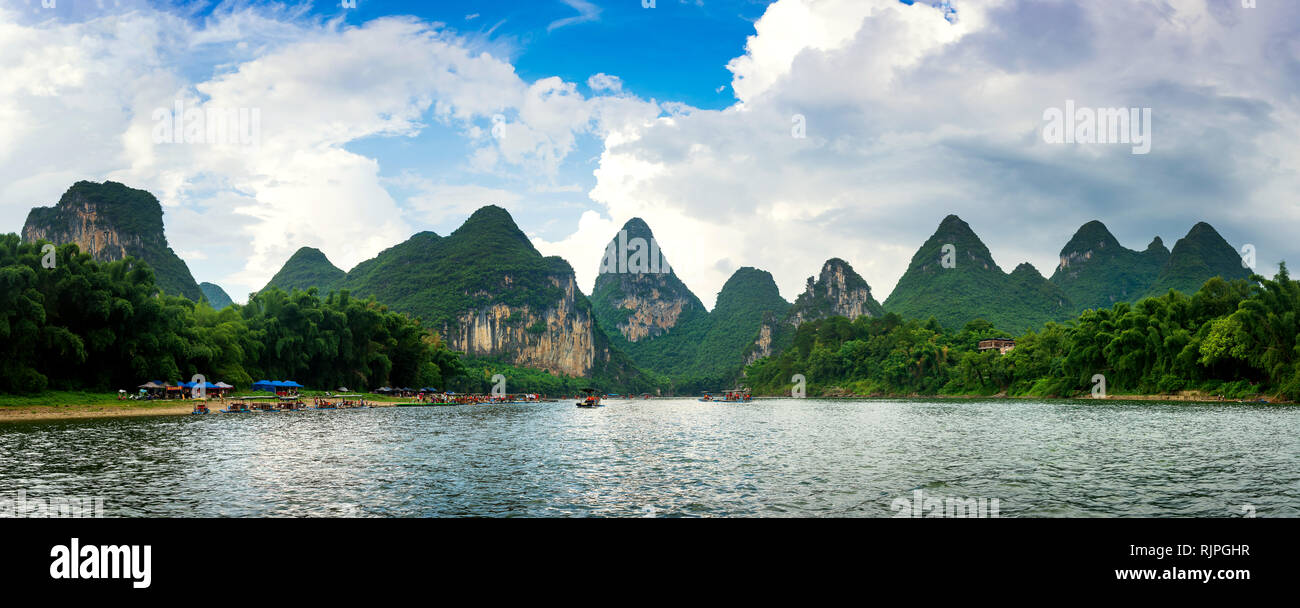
{"type": "Point", "coordinates": [68, 322]}
{"type": "Point", "coordinates": [1231, 338]}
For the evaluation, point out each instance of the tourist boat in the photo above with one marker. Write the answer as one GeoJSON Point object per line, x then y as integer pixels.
{"type": "Point", "coordinates": [290, 404]}
{"type": "Point", "coordinates": [591, 400]}
{"type": "Point", "coordinates": [323, 404]}
{"type": "Point", "coordinates": [263, 404]}
{"type": "Point", "coordinates": [739, 395]}
{"type": "Point", "coordinates": [238, 406]}
{"type": "Point", "coordinates": [200, 408]}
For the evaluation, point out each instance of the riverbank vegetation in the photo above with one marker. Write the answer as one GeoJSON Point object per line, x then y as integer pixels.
{"type": "Point", "coordinates": [1231, 338]}
{"type": "Point", "coordinates": [69, 323]}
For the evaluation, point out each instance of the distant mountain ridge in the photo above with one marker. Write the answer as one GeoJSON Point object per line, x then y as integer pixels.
{"type": "Point", "coordinates": [486, 289]}
{"type": "Point", "coordinates": [215, 295]}
{"type": "Point", "coordinates": [954, 279]}
{"type": "Point", "coordinates": [111, 221]}
{"type": "Point", "coordinates": [652, 315]}
{"type": "Point", "coordinates": [491, 294]}
{"type": "Point", "coordinates": [1197, 257]}
{"type": "Point", "coordinates": [837, 290]}
{"type": "Point", "coordinates": [1095, 271]}
{"type": "Point", "coordinates": [307, 267]}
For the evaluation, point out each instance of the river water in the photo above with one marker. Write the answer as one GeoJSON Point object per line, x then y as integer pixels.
{"type": "Point", "coordinates": [770, 458]}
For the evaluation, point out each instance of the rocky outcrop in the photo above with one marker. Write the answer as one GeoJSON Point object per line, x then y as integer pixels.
{"type": "Point", "coordinates": [111, 222]}
{"type": "Point", "coordinates": [650, 313]}
{"type": "Point", "coordinates": [642, 305]}
{"type": "Point", "coordinates": [85, 228]}
{"type": "Point", "coordinates": [837, 291]}
{"type": "Point", "coordinates": [559, 339]}
{"type": "Point", "coordinates": [764, 345]}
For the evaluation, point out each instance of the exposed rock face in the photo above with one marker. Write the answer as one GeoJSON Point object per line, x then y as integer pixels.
{"type": "Point", "coordinates": [85, 228]}
{"type": "Point", "coordinates": [651, 313]}
{"type": "Point", "coordinates": [559, 339]}
{"type": "Point", "coordinates": [110, 222]}
{"type": "Point", "coordinates": [763, 346]}
{"type": "Point", "coordinates": [645, 300]}
{"type": "Point", "coordinates": [837, 291]}
{"type": "Point", "coordinates": [641, 304]}
{"type": "Point", "coordinates": [487, 291]}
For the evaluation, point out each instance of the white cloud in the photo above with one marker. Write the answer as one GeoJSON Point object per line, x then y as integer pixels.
{"type": "Point", "coordinates": [587, 12]}
{"type": "Point", "coordinates": [318, 87]}
{"type": "Point", "coordinates": [605, 82]}
{"type": "Point", "coordinates": [911, 117]}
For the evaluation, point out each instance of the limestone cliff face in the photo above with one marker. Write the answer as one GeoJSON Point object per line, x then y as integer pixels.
{"type": "Point", "coordinates": [641, 301]}
{"type": "Point", "coordinates": [85, 227]}
{"type": "Point", "coordinates": [651, 310]}
{"type": "Point", "coordinates": [763, 346]}
{"type": "Point", "coordinates": [110, 222]}
{"type": "Point", "coordinates": [837, 291]}
{"type": "Point", "coordinates": [641, 304]}
{"type": "Point", "coordinates": [560, 338]}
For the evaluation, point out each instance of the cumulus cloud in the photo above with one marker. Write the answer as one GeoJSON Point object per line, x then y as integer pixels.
{"type": "Point", "coordinates": [313, 88]}
{"type": "Point", "coordinates": [910, 114]}
{"type": "Point", "coordinates": [857, 125]}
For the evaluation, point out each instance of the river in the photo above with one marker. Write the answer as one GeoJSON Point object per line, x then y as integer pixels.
{"type": "Point", "coordinates": [675, 457]}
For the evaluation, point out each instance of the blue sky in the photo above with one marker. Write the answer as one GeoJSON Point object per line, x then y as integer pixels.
{"type": "Point", "coordinates": [390, 118]}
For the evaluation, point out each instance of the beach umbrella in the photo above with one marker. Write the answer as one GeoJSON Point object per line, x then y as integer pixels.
{"type": "Point", "coordinates": [342, 389]}
{"type": "Point", "coordinates": [224, 385]}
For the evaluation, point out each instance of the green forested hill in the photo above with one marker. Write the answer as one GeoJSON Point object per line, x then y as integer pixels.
{"type": "Point", "coordinates": [488, 269]}
{"type": "Point", "coordinates": [1237, 339]}
{"type": "Point", "coordinates": [975, 287]}
{"type": "Point", "coordinates": [215, 295]}
{"type": "Point", "coordinates": [1096, 271]}
{"type": "Point", "coordinates": [307, 267]}
{"type": "Point", "coordinates": [1196, 258]}
{"type": "Point", "coordinates": [749, 296]}
{"type": "Point", "coordinates": [487, 260]}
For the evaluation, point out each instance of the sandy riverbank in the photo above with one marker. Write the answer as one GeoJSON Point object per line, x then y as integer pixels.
{"type": "Point", "coordinates": [30, 413]}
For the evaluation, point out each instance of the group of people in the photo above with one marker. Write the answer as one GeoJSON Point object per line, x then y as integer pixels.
{"type": "Point", "coordinates": [468, 399]}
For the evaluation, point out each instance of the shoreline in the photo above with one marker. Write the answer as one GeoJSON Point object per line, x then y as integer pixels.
{"type": "Point", "coordinates": [48, 413]}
